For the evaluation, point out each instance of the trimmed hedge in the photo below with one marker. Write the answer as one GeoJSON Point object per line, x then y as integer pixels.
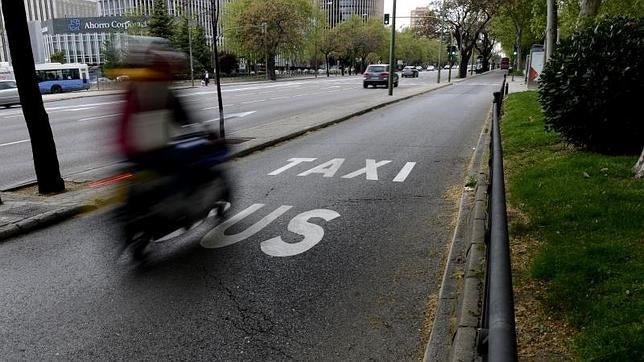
{"type": "Point", "coordinates": [592, 88]}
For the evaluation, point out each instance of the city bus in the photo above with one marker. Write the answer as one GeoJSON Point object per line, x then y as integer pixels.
{"type": "Point", "coordinates": [505, 63]}
{"type": "Point", "coordinates": [57, 77]}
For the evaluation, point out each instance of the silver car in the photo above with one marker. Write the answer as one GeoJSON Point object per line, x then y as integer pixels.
{"type": "Point", "coordinates": [9, 93]}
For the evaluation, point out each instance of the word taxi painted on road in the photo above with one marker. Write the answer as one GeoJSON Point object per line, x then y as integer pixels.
{"type": "Point", "coordinates": [330, 168]}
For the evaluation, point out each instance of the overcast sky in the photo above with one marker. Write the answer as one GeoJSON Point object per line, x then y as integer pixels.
{"type": "Point", "coordinates": [403, 8]}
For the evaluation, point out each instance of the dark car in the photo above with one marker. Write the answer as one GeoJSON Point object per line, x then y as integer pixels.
{"type": "Point", "coordinates": [378, 74]}
{"type": "Point", "coordinates": [409, 72]}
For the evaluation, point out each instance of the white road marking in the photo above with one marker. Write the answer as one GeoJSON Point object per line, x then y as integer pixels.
{"type": "Point", "coordinates": [276, 98]}
{"type": "Point", "coordinates": [217, 238]}
{"type": "Point", "coordinates": [63, 108]}
{"type": "Point", "coordinates": [251, 102]}
{"type": "Point", "coordinates": [293, 162]}
{"type": "Point", "coordinates": [98, 117]}
{"type": "Point", "coordinates": [243, 89]}
{"type": "Point", "coordinates": [232, 115]}
{"type": "Point", "coordinates": [327, 169]}
{"type": "Point", "coordinates": [404, 172]}
{"type": "Point", "coordinates": [217, 107]}
{"type": "Point", "coordinates": [13, 143]}
{"type": "Point", "coordinates": [371, 170]}
{"type": "Point", "coordinates": [312, 233]}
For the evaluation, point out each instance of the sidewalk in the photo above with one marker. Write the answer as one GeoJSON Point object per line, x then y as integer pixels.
{"type": "Point", "coordinates": [518, 85]}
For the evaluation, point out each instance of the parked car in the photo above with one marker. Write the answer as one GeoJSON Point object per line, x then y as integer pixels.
{"type": "Point", "coordinates": [9, 93]}
{"type": "Point", "coordinates": [419, 68]}
{"type": "Point", "coordinates": [431, 68]}
{"type": "Point", "coordinates": [378, 74]}
{"type": "Point", "coordinates": [409, 72]}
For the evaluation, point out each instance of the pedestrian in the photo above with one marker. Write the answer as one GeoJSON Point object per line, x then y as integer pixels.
{"type": "Point", "coordinates": [206, 78]}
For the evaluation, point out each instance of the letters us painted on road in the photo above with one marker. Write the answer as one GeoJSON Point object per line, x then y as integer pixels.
{"type": "Point", "coordinates": [276, 246]}
{"type": "Point", "coordinates": [330, 168]}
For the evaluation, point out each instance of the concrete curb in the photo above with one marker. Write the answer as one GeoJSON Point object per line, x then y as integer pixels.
{"type": "Point", "coordinates": [59, 215]}
{"type": "Point", "coordinates": [40, 221]}
{"type": "Point", "coordinates": [455, 328]}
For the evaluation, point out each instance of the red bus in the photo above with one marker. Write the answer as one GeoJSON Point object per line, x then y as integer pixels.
{"type": "Point", "coordinates": [505, 63]}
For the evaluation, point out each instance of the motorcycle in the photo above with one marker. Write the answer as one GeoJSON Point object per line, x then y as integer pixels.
{"type": "Point", "coordinates": [158, 203]}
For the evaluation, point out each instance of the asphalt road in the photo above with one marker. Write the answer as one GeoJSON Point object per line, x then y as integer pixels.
{"type": "Point", "coordinates": [333, 249]}
{"type": "Point", "coordinates": [84, 127]}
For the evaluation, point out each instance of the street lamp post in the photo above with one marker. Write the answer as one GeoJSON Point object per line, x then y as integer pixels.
{"type": "Point", "coordinates": [392, 48]}
{"type": "Point", "coordinates": [192, 70]}
{"type": "Point", "coordinates": [264, 31]}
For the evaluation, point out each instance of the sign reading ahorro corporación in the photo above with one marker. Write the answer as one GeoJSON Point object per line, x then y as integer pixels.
{"type": "Point", "coordinates": [105, 24]}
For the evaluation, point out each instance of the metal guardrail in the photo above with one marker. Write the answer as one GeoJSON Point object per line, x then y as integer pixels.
{"type": "Point", "coordinates": [497, 338]}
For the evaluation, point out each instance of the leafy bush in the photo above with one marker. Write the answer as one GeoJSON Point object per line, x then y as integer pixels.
{"type": "Point", "coordinates": [592, 86]}
{"type": "Point", "coordinates": [228, 63]}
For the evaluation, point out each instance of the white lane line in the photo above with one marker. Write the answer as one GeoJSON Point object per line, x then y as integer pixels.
{"type": "Point", "coordinates": [251, 102]}
{"type": "Point", "coordinates": [80, 107]}
{"type": "Point", "coordinates": [217, 107]}
{"type": "Point", "coordinates": [243, 89]}
{"type": "Point", "coordinates": [276, 98]}
{"type": "Point", "coordinates": [335, 86]}
{"type": "Point", "coordinates": [98, 117]}
{"type": "Point", "coordinates": [13, 143]}
{"type": "Point", "coordinates": [232, 115]}
{"type": "Point", "coordinates": [77, 109]}
{"type": "Point", "coordinates": [402, 175]}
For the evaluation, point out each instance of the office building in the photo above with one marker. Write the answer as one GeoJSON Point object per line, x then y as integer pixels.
{"type": "Point", "coordinates": [42, 10]}
{"type": "Point", "coordinates": [416, 16]}
{"type": "Point", "coordinates": [338, 11]}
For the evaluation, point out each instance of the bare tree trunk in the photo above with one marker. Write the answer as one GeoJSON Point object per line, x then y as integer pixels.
{"type": "Point", "coordinates": [638, 169]}
{"type": "Point", "coordinates": [42, 140]}
{"type": "Point", "coordinates": [589, 8]}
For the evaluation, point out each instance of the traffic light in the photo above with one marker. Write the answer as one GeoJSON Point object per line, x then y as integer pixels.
{"type": "Point", "coordinates": [386, 19]}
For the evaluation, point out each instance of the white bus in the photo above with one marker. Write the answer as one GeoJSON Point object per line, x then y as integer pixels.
{"type": "Point", "coordinates": [57, 77]}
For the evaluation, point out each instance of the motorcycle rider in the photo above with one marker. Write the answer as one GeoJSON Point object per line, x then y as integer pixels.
{"type": "Point", "coordinates": [150, 129]}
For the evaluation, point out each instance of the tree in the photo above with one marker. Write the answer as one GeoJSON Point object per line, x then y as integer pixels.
{"type": "Point", "coordinates": [358, 39]}
{"type": "Point", "coordinates": [160, 23]}
{"type": "Point", "coordinates": [484, 46]}
{"type": "Point", "coordinates": [42, 140]}
{"type": "Point", "coordinates": [329, 44]}
{"type": "Point", "coordinates": [111, 55]}
{"type": "Point", "coordinates": [57, 57]}
{"type": "Point", "coordinates": [228, 63]}
{"type": "Point", "coordinates": [466, 19]}
{"type": "Point", "coordinates": [589, 8]}
{"type": "Point", "coordinates": [511, 26]}
{"type": "Point", "coordinates": [265, 29]}
{"type": "Point", "coordinates": [201, 52]}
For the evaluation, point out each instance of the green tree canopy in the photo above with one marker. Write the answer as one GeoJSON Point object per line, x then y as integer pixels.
{"type": "Point", "coordinates": [267, 28]}
{"type": "Point", "coordinates": [57, 57]}
{"type": "Point", "coordinates": [160, 23]}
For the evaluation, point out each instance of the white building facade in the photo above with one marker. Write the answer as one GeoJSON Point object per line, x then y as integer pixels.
{"type": "Point", "coordinates": [198, 10]}
{"type": "Point", "coordinates": [42, 10]}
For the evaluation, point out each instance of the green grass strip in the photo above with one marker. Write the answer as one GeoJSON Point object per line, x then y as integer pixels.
{"type": "Point", "coordinates": [587, 211]}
